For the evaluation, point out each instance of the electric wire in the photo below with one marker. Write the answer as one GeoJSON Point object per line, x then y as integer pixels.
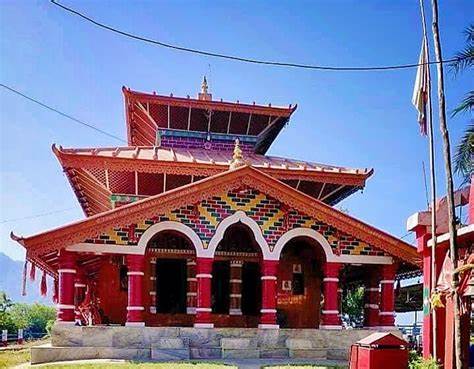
{"type": "Point", "coordinates": [241, 58]}
{"type": "Point", "coordinates": [11, 89]}
{"type": "Point", "coordinates": [36, 215]}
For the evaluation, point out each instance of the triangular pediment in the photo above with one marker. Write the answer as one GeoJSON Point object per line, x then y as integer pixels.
{"type": "Point", "coordinates": [289, 200]}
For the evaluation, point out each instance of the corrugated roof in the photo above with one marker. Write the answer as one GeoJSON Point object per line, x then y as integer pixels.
{"type": "Point", "coordinates": [213, 157]}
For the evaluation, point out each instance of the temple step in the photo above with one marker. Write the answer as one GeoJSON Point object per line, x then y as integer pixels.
{"type": "Point", "coordinates": [299, 348]}
{"type": "Point", "coordinates": [205, 352]}
{"type": "Point", "coordinates": [169, 348]}
{"type": "Point", "coordinates": [239, 348]}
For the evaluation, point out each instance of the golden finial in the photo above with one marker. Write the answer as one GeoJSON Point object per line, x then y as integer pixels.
{"type": "Point", "coordinates": [204, 86]}
{"type": "Point", "coordinates": [237, 158]}
{"type": "Point", "coordinates": [204, 94]}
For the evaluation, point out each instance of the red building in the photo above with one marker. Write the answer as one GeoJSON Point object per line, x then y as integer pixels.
{"type": "Point", "coordinates": [186, 226]}
{"type": "Point", "coordinates": [420, 223]}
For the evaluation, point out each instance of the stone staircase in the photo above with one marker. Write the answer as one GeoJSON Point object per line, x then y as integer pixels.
{"type": "Point", "coordinates": [236, 348]}
{"type": "Point", "coordinates": [182, 343]}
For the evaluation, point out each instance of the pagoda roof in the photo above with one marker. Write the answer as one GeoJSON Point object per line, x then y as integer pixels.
{"type": "Point", "coordinates": [86, 168]}
{"type": "Point", "coordinates": [42, 247]}
{"type": "Point", "coordinates": [146, 113]}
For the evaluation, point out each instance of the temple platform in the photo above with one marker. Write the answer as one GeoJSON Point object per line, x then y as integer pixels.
{"type": "Point", "coordinates": [174, 343]}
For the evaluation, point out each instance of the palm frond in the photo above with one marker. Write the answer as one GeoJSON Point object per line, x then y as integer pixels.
{"type": "Point", "coordinates": [464, 60]}
{"type": "Point", "coordinates": [466, 105]}
{"type": "Point", "coordinates": [469, 32]}
{"type": "Point", "coordinates": [464, 154]}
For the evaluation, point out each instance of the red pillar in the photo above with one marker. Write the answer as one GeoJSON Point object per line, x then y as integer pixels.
{"type": "Point", "coordinates": [191, 294]}
{"type": "Point", "coordinates": [387, 297]}
{"type": "Point", "coordinates": [330, 317]}
{"type": "Point", "coordinates": [67, 275]}
{"type": "Point", "coordinates": [269, 295]}
{"type": "Point", "coordinates": [79, 295]}
{"type": "Point", "coordinates": [235, 287]}
{"type": "Point", "coordinates": [135, 308]}
{"type": "Point", "coordinates": [203, 310]}
{"type": "Point", "coordinates": [372, 301]}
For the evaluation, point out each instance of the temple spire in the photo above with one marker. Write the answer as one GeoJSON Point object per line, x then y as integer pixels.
{"type": "Point", "coordinates": [237, 158]}
{"type": "Point", "coordinates": [204, 95]}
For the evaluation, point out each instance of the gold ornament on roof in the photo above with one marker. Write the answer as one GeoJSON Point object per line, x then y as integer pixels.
{"type": "Point", "coordinates": [237, 158]}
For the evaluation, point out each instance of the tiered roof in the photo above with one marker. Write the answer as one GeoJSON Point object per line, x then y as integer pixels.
{"type": "Point", "coordinates": [97, 174]}
{"type": "Point", "coordinates": [146, 113]}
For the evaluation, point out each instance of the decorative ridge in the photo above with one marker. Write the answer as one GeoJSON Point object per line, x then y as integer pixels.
{"type": "Point", "coordinates": [284, 111]}
{"type": "Point", "coordinates": [74, 232]}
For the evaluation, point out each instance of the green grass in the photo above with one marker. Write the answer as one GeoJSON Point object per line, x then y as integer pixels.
{"type": "Point", "coordinates": [10, 358]}
{"type": "Point", "coordinates": [135, 365]}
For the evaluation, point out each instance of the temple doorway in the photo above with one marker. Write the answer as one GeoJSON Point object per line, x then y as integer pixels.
{"type": "Point", "coordinates": [300, 276]}
{"type": "Point", "coordinates": [251, 289]}
{"type": "Point", "coordinates": [167, 255]}
{"type": "Point", "coordinates": [171, 290]}
{"type": "Point", "coordinates": [236, 284]}
{"type": "Point", "coordinates": [221, 287]}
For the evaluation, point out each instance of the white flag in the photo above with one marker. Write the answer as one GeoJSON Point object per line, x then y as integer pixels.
{"type": "Point", "coordinates": [421, 90]}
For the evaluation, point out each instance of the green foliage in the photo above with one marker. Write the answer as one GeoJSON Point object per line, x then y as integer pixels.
{"type": "Point", "coordinates": [33, 317]}
{"type": "Point", "coordinates": [417, 362]}
{"type": "Point", "coordinates": [465, 57]}
{"type": "Point", "coordinates": [464, 154]}
{"type": "Point", "coordinates": [353, 306]}
{"type": "Point", "coordinates": [49, 326]}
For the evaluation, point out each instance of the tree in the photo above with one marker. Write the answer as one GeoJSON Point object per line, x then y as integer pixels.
{"type": "Point", "coordinates": [464, 154]}
{"type": "Point", "coordinates": [33, 317]}
{"type": "Point", "coordinates": [353, 306]}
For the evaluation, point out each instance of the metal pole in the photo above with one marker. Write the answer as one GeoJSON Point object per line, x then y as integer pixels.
{"type": "Point", "coordinates": [433, 187]}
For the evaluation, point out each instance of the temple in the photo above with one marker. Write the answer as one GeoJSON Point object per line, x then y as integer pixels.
{"type": "Point", "coordinates": [191, 224]}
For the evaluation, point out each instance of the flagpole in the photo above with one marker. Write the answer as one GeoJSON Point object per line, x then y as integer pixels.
{"type": "Point", "coordinates": [433, 184]}
{"type": "Point", "coordinates": [449, 184]}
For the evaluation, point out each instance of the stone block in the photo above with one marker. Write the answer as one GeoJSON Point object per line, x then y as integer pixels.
{"type": "Point", "coordinates": [129, 337]}
{"type": "Point", "coordinates": [240, 354]}
{"type": "Point", "coordinates": [299, 344]}
{"type": "Point", "coordinates": [169, 354]}
{"type": "Point", "coordinates": [275, 353]}
{"type": "Point", "coordinates": [98, 336]}
{"type": "Point", "coordinates": [236, 343]}
{"type": "Point", "coordinates": [308, 354]}
{"type": "Point", "coordinates": [205, 352]}
{"type": "Point", "coordinates": [338, 354]}
{"type": "Point", "coordinates": [66, 335]}
{"type": "Point", "coordinates": [47, 353]}
{"type": "Point", "coordinates": [170, 343]}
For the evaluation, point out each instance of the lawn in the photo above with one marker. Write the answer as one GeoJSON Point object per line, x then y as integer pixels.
{"type": "Point", "coordinates": [9, 358]}
{"type": "Point", "coordinates": [135, 365]}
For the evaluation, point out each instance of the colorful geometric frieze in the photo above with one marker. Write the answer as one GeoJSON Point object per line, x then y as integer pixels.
{"type": "Point", "coordinates": [270, 214]}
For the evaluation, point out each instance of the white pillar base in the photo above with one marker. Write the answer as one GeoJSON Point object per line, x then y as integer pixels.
{"type": "Point", "coordinates": [135, 324]}
{"type": "Point", "coordinates": [191, 310]}
{"type": "Point", "coordinates": [235, 312]}
{"type": "Point", "coordinates": [203, 325]}
{"type": "Point", "coordinates": [268, 326]}
{"type": "Point", "coordinates": [62, 322]}
{"type": "Point", "coordinates": [331, 327]}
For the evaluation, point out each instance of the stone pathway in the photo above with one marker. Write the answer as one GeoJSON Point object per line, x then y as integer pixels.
{"type": "Point", "coordinates": [258, 363]}
{"type": "Point", "coordinates": [241, 364]}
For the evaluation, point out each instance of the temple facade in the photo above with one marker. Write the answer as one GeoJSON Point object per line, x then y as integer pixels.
{"type": "Point", "coordinates": [191, 224]}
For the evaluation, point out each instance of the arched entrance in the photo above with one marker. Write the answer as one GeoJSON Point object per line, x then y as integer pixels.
{"type": "Point", "coordinates": [236, 284]}
{"type": "Point", "coordinates": [171, 256]}
{"type": "Point", "coordinates": [300, 276]}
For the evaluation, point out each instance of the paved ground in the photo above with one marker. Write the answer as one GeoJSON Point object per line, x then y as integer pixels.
{"type": "Point", "coordinates": [241, 364]}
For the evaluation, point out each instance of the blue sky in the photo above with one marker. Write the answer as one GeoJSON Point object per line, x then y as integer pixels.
{"type": "Point", "coordinates": [351, 119]}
